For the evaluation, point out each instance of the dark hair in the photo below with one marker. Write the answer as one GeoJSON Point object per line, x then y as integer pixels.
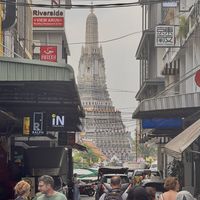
{"type": "Point", "coordinates": [170, 183]}
{"type": "Point", "coordinates": [137, 193]}
{"type": "Point", "coordinates": [151, 191]}
{"type": "Point", "coordinates": [115, 180]}
{"type": "Point", "coordinates": [47, 180]}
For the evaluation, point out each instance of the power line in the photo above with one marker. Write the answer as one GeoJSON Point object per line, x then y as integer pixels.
{"type": "Point", "coordinates": [80, 6]}
{"type": "Point", "coordinates": [106, 41]}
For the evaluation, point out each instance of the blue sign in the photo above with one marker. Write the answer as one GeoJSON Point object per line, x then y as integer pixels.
{"type": "Point", "coordinates": [162, 123]}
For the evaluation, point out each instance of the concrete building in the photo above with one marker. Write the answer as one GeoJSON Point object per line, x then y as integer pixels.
{"type": "Point", "coordinates": [179, 99]}
{"type": "Point", "coordinates": [49, 35]}
{"type": "Point", "coordinates": [17, 30]}
{"type": "Point", "coordinates": [103, 123]}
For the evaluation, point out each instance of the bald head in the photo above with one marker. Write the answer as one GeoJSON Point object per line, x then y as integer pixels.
{"type": "Point", "coordinates": [115, 182]}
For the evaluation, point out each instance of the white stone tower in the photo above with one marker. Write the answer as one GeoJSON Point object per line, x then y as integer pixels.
{"type": "Point", "coordinates": [103, 123]}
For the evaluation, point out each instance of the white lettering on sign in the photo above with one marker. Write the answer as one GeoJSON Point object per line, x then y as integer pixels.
{"type": "Point", "coordinates": [58, 121]}
{"type": "Point", "coordinates": [37, 123]}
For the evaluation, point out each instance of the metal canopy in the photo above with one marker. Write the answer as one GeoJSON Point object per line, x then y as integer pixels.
{"type": "Point", "coordinates": [182, 141]}
{"type": "Point", "coordinates": [22, 97]}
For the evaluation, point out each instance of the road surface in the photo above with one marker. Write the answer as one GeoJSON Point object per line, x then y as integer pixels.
{"type": "Point", "coordinates": [85, 197]}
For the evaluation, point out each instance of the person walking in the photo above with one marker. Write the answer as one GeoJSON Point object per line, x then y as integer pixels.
{"type": "Point", "coordinates": [22, 190]}
{"type": "Point", "coordinates": [172, 186]}
{"type": "Point", "coordinates": [46, 187]}
{"type": "Point", "coordinates": [137, 193]}
{"type": "Point", "coordinates": [115, 193]}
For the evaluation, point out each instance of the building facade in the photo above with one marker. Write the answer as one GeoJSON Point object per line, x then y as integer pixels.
{"type": "Point", "coordinates": [103, 123]}
{"type": "Point", "coordinates": [17, 30]}
{"type": "Point", "coordinates": [178, 100]}
{"type": "Point", "coordinates": [49, 34]}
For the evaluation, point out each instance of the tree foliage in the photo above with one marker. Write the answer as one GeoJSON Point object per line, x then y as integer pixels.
{"type": "Point", "coordinates": [85, 159]}
{"type": "Point", "coordinates": [145, 151]}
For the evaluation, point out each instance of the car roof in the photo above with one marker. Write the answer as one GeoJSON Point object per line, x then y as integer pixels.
{"type": "Point", "coordinates": [115, 175]}
{"type": "Point", "coordinates": [111, 170]}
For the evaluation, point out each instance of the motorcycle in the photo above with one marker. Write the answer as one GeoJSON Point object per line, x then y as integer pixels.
{"type": "Point", "coordinates": [87, 189]}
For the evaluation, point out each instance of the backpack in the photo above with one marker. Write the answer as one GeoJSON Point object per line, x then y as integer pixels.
{"type": "Point", "coordinates": [113, 195]}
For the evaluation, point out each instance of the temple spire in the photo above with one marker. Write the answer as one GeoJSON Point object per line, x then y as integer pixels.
{"type": "Point", "coordinates": [91, 35]}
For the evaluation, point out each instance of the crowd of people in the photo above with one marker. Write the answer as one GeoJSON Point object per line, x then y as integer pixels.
{"type": "Point", "coordinates": [47, 192]}
{"type": "Point", "coordinates": [136, 192]}
{"type": "Point", "coordinates": [45, 187]}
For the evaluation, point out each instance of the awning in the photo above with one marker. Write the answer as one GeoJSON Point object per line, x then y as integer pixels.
{"type": "Point", "coordinates": [182, 141]}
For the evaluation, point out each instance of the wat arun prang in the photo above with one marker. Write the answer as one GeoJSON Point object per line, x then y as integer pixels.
{"type": "Point", "coordinates": [103, 123]}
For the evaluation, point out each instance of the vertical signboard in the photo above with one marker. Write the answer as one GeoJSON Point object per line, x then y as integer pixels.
{"type": "Point", "coordinates": [38, 123]}
{"type": "Point", "coordinates": [164, 36]}
{"type": "Point", "coordinates": [48, 53]}
{"type": "Point", "coordinates": [26, 126]}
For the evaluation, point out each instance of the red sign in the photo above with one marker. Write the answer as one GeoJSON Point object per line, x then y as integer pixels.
{"type": "Point", "coordinates": [48, 53]}
{"type": "Point", "coordinates": [197, 78]}
{"type": "Point", "coordinates": [48, 21]}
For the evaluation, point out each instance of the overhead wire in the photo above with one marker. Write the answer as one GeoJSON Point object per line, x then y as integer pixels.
{"type": "Point", "coordinates": [78, 6]}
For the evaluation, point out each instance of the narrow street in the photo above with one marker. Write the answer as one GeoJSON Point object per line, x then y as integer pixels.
{"type": "Point", "coordinates": [84, 197]}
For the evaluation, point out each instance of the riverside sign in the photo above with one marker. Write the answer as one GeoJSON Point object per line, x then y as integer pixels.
{"type": "Point", "coordinates": [48, 18]}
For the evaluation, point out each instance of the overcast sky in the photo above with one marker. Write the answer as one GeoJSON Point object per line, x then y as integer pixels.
{"type": "Point", "coordinates": [122, 68]}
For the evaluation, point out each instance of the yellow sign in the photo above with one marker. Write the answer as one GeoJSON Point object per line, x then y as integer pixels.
{"type": "Point", "coordinates": [26, 126]}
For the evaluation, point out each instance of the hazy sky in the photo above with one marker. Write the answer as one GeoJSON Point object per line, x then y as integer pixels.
{"type": "Point", "coordinates": [122, 68]}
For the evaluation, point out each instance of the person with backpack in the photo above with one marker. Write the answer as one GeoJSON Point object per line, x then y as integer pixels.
{"type": "Point", "coordinates": [115, 193]}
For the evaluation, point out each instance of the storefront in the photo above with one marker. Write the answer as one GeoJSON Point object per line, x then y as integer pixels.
{"type": "Point", "coordinates": [39, 103]}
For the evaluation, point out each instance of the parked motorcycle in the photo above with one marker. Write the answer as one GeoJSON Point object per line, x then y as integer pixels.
{"type": "Point", "coordinates": [87, 189]}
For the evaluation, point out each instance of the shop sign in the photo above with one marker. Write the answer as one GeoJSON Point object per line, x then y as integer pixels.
{"type": "Point", "coordinates": [162, 123]}
{"type": "Point", "coordinates": [57, 120]}
{"type": "Point", "coordinates": [164, 36]}
{"type": "Point", "coordinates": [169, 4]}
{"type": "Point", "coordinates": [48, 17]}
{"type": "Point", "coordinates": [48, 21]}
{"type": "Point", "coordinates": [34, 124]}
{"type": "Point", "coordinates": [38, 123]}
{"type": "Point", "coordinates": [48, 53]}
{"type": "Point", "coordinates": [26, 125]}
